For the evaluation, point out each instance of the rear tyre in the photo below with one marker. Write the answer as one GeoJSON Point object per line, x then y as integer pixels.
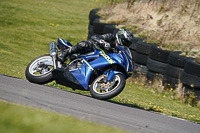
{"type": "Point", "coordinates": [102, 89]}
{"type": "Point", "coordinates": [39, 70]}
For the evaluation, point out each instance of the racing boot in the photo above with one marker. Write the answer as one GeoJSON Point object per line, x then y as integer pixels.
{"type": "Point", "coordinates": [62, 56]}
{"type": "Point", "coordinates": [67, 52]}
{"type": "Point", "coordinates": [82, 47]}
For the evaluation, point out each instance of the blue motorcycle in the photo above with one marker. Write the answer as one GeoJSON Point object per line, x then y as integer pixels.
{"type": "Point", "coordinates": [103, 74]}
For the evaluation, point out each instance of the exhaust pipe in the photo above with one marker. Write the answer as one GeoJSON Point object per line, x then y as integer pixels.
{"type": "Point", "coordinates": [53, 53]}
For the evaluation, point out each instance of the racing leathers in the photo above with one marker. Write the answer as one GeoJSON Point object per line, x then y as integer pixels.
{"type": "Point", "coordinates": [105, 42]}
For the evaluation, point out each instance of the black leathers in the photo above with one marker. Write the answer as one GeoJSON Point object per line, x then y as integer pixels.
{"type": "Point", "coordinates": [110, 38]}
{"type": "Point", "coordinates": [96, 41]}
{"type": "Point", "coordinates": [106, 42]}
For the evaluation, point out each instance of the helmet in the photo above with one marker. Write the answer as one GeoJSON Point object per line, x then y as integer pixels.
{"type": "Point", "coordinates": [124, 37]}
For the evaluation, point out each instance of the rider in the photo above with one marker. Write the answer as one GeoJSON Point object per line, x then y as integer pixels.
{"type": "Point", "coordinates": [107, 42]}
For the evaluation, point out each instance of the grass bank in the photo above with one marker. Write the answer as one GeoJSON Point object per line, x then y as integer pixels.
{"type": "Point", "coordinates": [27, 28]}
{"type": "Point", "coordinates": [173, 25]}
{"type": "Point", "coordinates": [30, 120]}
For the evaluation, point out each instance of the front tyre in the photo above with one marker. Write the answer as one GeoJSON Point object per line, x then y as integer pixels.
{"type": "Point", "coordinates": [102, 89]}
{"type": "Point", "coordinates": [39, 70]}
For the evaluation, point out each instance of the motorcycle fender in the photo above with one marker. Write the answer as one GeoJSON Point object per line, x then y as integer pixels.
{"type": "Point", "coordinates": [112, 74]}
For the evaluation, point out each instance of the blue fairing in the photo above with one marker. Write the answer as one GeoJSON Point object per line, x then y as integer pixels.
{"type": "Point", "coordinates": [64, 43]}
{"type": "Point", "coordinates": [82, 74]}
{"type": "Point", "coordinates": [100, 60]}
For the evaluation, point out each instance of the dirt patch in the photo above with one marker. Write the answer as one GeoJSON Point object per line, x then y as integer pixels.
{"type": "Point", "coordinates": [174, 25]}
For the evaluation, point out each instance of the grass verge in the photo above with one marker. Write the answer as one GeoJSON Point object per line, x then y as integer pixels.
{"type": "Point", "coordinates": [39, 121]}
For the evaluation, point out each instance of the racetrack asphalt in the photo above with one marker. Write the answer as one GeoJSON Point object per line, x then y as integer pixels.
{"type": "Point", "coordinates": [83, 107]}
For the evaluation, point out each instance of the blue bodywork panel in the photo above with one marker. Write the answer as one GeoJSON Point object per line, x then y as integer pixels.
{"type": "Point", "coordinates": [102, 59]}
{"type": "Point", "coordinates": [64, 43]}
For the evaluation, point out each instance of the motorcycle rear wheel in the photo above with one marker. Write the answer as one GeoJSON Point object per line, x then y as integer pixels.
{"type": "Point", "coordinates": [39, 70]}
{"type": "Point", "coordinates": [105, 90]}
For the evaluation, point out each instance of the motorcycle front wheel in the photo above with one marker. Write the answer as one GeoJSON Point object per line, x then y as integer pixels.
{"type": "Point", "coordinates": [103, 89]}
{"type": "Point", "coordinates": [39, 70]}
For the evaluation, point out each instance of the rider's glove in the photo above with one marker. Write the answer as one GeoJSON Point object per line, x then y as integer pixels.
{"type": "Point", "coordinates": [105, 45]}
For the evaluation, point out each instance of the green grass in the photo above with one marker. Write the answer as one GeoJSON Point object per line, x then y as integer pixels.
{"type": "Point", "coordinates": [19, 119]}
{"type": "Point", "coordinates": [27, 28]}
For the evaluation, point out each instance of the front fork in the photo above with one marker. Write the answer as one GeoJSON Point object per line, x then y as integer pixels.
{"type": "Point", "coordinates": [53, 53]}
{"type": "Point", "coordinates": [111, 73]}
